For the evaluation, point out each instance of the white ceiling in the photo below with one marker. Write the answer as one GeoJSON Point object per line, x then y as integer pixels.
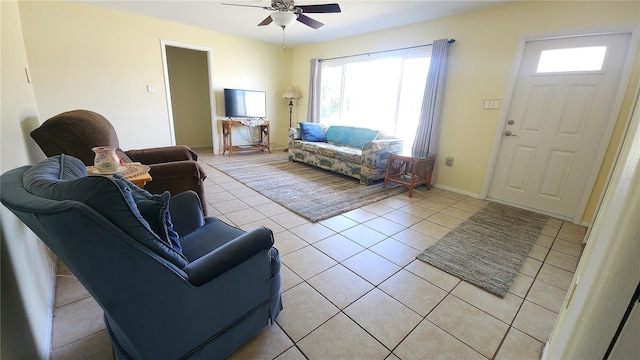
{"type": "Point", "coordinates": [357, 17]}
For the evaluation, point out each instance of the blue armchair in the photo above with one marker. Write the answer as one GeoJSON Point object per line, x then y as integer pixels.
{"type": "Point", "coordinates": [172, 283]}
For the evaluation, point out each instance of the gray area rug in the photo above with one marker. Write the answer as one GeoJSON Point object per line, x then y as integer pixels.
{"type": "Point", "coordinates": [313, 193]}
{"type": "Point", "coordinates": [489, 248]}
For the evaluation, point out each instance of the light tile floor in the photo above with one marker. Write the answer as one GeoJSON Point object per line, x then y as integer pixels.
{"type": "Point", "coordinates": [352, 288]}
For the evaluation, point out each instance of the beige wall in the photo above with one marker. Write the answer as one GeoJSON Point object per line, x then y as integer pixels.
{"type": "Point", "coordinates": [87, 57]}
{"type": "Point", "coordinates": [189, 84]}
{"type": "Point", "coordinates": [26, 268]}
{"type": "Point", "coordinates": [479, 68]}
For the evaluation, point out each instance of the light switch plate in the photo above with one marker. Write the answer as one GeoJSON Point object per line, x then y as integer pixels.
{"type": "Point", "coordinates": [491, 104]}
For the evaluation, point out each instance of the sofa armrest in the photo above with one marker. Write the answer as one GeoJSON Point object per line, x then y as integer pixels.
{"type": "Point", "coordinates": [374, 158]}
{"type": "Point", "coordinates": [382, 146]}
{"type": "Point", "coordinates": [162, 154]}
{"type": "Point", "coordinates": [177, 170]}
{"type": "Point", "coordinates": [178, 177]}
{"type": "Point", "coordinates": [294, 134]}
{"type": "Point", "coordinates": [229, 255]}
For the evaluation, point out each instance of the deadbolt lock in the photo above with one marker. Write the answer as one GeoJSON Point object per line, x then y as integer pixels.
{"type": "Point", "coordinates": [510, 122]}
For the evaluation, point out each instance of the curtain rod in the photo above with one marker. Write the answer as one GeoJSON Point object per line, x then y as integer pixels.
{"type": "Point", "coordinates": [450, 41]}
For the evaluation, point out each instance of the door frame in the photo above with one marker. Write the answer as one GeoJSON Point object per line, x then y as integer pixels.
{"type": "Point", "coordinates": [212, 100]}
{"type": "Point", "coordinates": [634, 31]}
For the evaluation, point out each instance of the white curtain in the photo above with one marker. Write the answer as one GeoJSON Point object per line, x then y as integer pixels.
{"type": "Point", "coordinates": [428, 132]}
{"type": "Point", "coordinates": [313, 109]}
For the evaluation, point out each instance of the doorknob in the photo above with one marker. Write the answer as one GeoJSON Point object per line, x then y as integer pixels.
{"type": "Point", "coordinates": [509, 133]}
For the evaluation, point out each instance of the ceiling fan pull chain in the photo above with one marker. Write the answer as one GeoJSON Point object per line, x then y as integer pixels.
{"type": "Point", "coordinates": [283, 39]}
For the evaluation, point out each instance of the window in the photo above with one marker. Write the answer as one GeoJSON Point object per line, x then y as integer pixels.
{"type": "Point", "coordinates": [572, 59]}
{"type": "Point", "coordinates": [382, 92]}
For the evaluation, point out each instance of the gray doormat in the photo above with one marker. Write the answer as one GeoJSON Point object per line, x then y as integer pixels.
{"type": "Point", "coordinates": [489, 248]}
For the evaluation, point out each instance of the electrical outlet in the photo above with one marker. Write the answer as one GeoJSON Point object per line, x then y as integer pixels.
{"type": "Point", "coordinates": [449, 161]}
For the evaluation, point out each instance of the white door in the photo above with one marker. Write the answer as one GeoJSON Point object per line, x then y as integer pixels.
{"type": "Point", "coordinates": [561, 106]}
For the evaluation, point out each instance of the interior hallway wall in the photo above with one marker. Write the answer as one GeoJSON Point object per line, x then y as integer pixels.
{"type": "Point", "coordinates": [26, 265]}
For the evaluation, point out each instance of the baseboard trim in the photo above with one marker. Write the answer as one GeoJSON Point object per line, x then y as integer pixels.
{"type": "Point", "coordinates": [53, 262]}
{"type": "Point", "coordinates": [543, 353]}
{"type": "Point", "coordinates": [457, 191]}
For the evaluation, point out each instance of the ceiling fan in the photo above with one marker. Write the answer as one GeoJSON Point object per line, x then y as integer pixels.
{"type": "Point", "coordinates": [285, 13]}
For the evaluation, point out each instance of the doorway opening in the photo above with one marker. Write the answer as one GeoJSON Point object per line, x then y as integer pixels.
{"type": "Point", "coordinates": [188, 73]}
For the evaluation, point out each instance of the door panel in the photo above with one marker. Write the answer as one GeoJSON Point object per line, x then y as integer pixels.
{"type": "Point", "coordinates": [576, 111]}
{"type": "Point", "coordinates": [537, 109]}
{"type": "Point", "coordinates": [556, 126]}
{"type": "Point", "coordinates": [520, 168]}
{"type": "Point", "coordinates": [556, 173]}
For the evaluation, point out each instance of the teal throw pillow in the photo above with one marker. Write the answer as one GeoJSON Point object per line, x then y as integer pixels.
{"type": "Point", "coordinates": [359, 136]}
{"type": "Point", "coordinates": [337, 134]}
{"type": "Point", "coordinates": [351, 136]}
{"type": "Point", "coordinates": [312, 132]}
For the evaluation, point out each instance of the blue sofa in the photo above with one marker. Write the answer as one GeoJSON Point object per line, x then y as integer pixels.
{"type": "Point", "coordinates": [353, 151]}
{"type": "Point", "coordinates": [172, 283]}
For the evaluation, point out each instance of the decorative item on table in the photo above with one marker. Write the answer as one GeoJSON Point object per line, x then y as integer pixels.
{"type": "Point", "coordinates": [106, 160]}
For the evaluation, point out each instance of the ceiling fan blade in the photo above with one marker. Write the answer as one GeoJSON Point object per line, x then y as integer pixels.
{"type": "Point", "coordinates": [266, 21]}
{"type": "Point", "coordinates": [309, 21]}
{"type": "Point", "coordinates": [318, 9]}
{"type": "Point", "coordinates": [253, 6]}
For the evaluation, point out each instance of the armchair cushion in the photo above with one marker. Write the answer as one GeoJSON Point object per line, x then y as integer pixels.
{"type": "Point", "coordinates": [65, 178]}
{"type": "Point", "coordinates": [313, 132]}
{"type": "Point", "coordinates": [155, 210]}
{"type": "Point", "coordinates": [186, 213]}
{"type": "Point", "coordinates": [75, 133]}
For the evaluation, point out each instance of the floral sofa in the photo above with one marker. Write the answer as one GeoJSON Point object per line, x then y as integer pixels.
{"type": "Point", "coordinates": [356, 152]}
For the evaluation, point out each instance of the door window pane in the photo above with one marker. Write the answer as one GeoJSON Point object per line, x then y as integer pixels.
{"type": "Point", "coordinates": [571, 60]}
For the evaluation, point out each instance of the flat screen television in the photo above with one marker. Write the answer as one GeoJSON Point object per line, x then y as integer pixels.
{"type": "Point", "coordinates": [245, 103]}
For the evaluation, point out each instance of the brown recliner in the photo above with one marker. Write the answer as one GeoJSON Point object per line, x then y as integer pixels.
{"type": "Point", "coordinates": [173, 168]}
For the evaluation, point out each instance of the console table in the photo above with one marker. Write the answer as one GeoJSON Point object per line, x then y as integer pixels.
{"type": "Point", "coordinates": [409, 171]}
{"type": "Point", "coordinates": [264, 144]}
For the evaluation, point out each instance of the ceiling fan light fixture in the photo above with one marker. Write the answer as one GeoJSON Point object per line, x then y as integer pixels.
{"type": "Point", "coordinates": [283, 18]}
